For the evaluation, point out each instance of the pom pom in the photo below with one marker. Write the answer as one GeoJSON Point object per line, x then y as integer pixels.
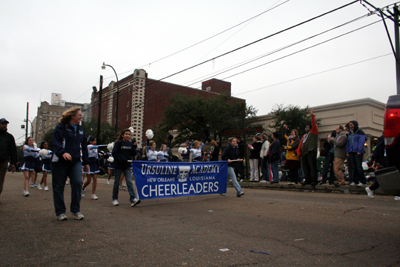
{"type": "Point", "coordinates": [110, 146]}
{"type": "Point", "coordinates": [149, 134]}
{"type": "Point", "coordinates": [43, 152]}
{"type": "Point", "coordinates": [131, 129]}
{"type": "Point", "coordinates": [182, 150]}
{"type": "Point", "coordinates": [110, 159]}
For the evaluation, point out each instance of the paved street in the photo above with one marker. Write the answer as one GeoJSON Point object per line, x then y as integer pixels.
{"type": "Point", "coordinates": [282, 228]}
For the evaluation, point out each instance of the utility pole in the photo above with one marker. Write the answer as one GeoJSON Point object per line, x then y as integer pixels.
{"type": "Point", "coordinates": [27, 120]}
{"type": "Point", "coordinates": [99, 110]}
{"type": "Point", "coordinates": [397, 44]}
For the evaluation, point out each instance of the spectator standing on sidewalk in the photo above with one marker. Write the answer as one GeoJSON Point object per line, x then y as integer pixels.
{"type": "Point", "coordinates": [330, 155]}
{"type": "Point", "coordinates": [263, 156]}
{"type": "Point", "coordinates": [355, 151]}
{"type": "Point", "coordinates": [339, 143]}
{"type": "Point", "coordinates": [240, 166]}
{"type": "Point", "coordinates": [274, 155]}
{"type": "Point", "coordinates": [70, 152]}
{"type": "Point", "coordinates": [308, 151]}
{"type": "Point", "coordinates": [255, 149]}
{"type": "Point", "coordinates": [8, 151]}
{"type": "Point", "coordinates": [292, 159]}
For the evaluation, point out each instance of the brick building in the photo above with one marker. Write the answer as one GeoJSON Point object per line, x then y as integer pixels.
{"type": "Point", "coordinates": [48, 115]}
{"type": "Point", "coordinates": [142, 101]}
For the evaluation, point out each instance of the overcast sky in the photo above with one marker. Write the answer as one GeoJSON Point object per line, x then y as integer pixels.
{"type": "Point", "coordinates": [59, 46]}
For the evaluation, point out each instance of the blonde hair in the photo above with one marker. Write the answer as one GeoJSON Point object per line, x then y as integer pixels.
{"type": "Point", "coordinates": [195, 143]}
{"type": "Point", "coordinates": [68, 114]}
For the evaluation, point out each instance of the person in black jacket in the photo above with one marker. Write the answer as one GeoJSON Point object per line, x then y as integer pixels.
{"type": "Point", "coordinates": [70, 150]}
{"type": "Point", "coordinates": [123, 152]}
{"type": "Point", "coordinates": [8, 151]}
{"type": "Point", "coordinates": [232, 153]}
{"type": "Point", "coordinates": [214, 151]}
{"type": "Point", "coordinates": [255, 149]}
{"type": "Point", "coordinates": [274, 155]}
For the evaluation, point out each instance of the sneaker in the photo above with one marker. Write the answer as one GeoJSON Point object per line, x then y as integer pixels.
{"type": "Point", "coordinates": [361, 184]}
{"type": "Point", "coordinates": [240, 194]}
{"type": "Point", "coordinates": [94, 197]}
{"type": "Point", "coordinates": [83, 192]}
{"type": "Point", "coordinates": [115, 202]}
{"type": "Point", "coordinates": [62, 217]}
{"type": "Point", "coordinates": [396, 198]}
{"type": "Point", "coordinates": [25, 193]}
{"type": "Point", "coordinates": [263, 181]}
{"type": "Point", "coordinates": [46, 188]}
{"type": "Point", "coordinates": [108, 181]}
{"type": "Point", "coordinates": [135, 202]}
{"type": "Point", "coordinates": [33, 185]}
{"type": "Point", "coordinates": [369, 192]}
{"type": "Point", "coordinates": [223, 194]}
{"type": "Point", "coordinates": [39, 187]}
{"type": "Point", "coordinates": [353, 184]}
{"type": "Point", "coordinates": [78, 215]}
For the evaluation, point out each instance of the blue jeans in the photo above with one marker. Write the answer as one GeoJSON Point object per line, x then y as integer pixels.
{"type": "Point", "coordinates": [265, 169]}
{"type": "Point", "coordinates": [328, 162]}
{"type": "Point", "coordinates": [357, 169]}
{"type": "Point", "coordinates": [60, 172]}
{"type": "Point", "coordinates": [128, 179]}
{"type": "Point", "coordinates": [232, 176]}
{"type": "Point", "coordinates": [275, 171]}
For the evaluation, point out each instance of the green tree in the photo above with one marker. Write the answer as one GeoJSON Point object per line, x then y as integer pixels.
{"type": "Point", "coordinates": [293, 116]}
{"type": "Point", "coordinates": [47, 138]}
{"type": "Point", "coordinates": [107, 134]}
{"type": "Point", "coordinates": [191, 116]}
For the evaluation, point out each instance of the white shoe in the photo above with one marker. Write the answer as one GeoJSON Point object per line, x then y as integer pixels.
{"type": "Point", "coordinates": [46, 188]}
{"type": "Point", "coordinates": [353, 184]}
{"type": "Point", "coordinates": [25, 193]}
{"type": "Point", "coordinates": [66, 182]}
{"type": "Point", "coordinates": [361, 184]}
{"type": "Point", "coordinates": [39, 187]}
{"type": "Point", "coordinates": [108, 181]}
{"type": "Point", "coordinates": [94, 197]}
{"type": "Point", "coordinates": [62, 217]}
{"type": "Point", "coordinates": [83, 193]}
{"type": "Point", "coordinates": [78, 216]}
{"type": "Point", "coordinates": [396, 198]}
{"type": "Point", "coordinates": [263, 181]}
{"type": "Point", "coordinates": [115, 202]}
{"type": "Point", "coordinates": [135, 202]}
{"type": "Point", "coordinates": [369, 192]}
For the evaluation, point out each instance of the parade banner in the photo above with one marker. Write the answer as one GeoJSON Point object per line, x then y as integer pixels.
{"type": "Point", "coordinates": [178, 179]}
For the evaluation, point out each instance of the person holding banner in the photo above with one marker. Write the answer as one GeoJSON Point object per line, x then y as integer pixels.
{"type": "Point", "coordinates": [123, 152]}
{"type": "Point", "coordinates": [231, 154]}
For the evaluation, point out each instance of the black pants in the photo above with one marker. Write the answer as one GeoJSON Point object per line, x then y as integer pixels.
{"type": "Point", "coordinates": [309, 162]}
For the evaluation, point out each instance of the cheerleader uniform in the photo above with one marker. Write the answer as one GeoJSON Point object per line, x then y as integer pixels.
{"type": "Point", "coordinates": [46, 161]}
{"type": "Point", "coordinates": [197, 153]}
{"type": "Point", "coordinates": [30, 158]}
{"type": "Point", "coordinates": [152, 155]}
{"type": "Point", "coordinates": [163, 156]}
{"type": "Point", "coordinates": [93, 152]}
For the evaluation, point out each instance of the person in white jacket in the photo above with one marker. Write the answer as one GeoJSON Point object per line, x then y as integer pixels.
{"type": "Point", "coordinates": [265, 170]}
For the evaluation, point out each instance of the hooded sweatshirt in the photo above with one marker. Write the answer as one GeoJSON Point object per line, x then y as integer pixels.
{"type": "Point", "coordinates": [355, 140]}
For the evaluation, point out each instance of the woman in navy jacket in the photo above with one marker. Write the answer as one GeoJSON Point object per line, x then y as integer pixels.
{"type": "Point", "coordinates": [232, 153]}
{"type": "Point", "coordinates": [70, 151]}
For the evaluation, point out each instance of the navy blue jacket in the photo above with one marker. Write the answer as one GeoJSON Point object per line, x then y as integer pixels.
{"type": "Point", "coordinates": [122, 152]}
{"type": "Point", "coordinates": [274, 151]}
{"type": "Point", "coordinates": [66, 140]}
{"type": "Point", "coordinates": [231, 152]}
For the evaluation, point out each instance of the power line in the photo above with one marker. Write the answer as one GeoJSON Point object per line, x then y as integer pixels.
{"type": "Point", "coordinates": [314, 74]}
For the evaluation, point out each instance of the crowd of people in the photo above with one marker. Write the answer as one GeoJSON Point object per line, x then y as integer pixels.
{"type": "Point", "coordinates": [73, 156]}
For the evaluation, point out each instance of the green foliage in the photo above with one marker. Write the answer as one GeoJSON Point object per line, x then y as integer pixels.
{"type": "Point", "coordinates": [293, 116]}
{"type": "Point", "coordinates": [107, 134]}
{"type": "Point", "coordinates": [192, 115]}
{"type": "Point", "coordinates": [47, 138]}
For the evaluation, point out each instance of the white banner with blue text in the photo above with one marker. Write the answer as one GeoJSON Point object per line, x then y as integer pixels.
{"type": "Point", "coordinates": [177, 179]}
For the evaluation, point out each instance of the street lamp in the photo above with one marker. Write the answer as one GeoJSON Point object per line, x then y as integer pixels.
{"type": "Point", "coordinates": [116, 116]}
